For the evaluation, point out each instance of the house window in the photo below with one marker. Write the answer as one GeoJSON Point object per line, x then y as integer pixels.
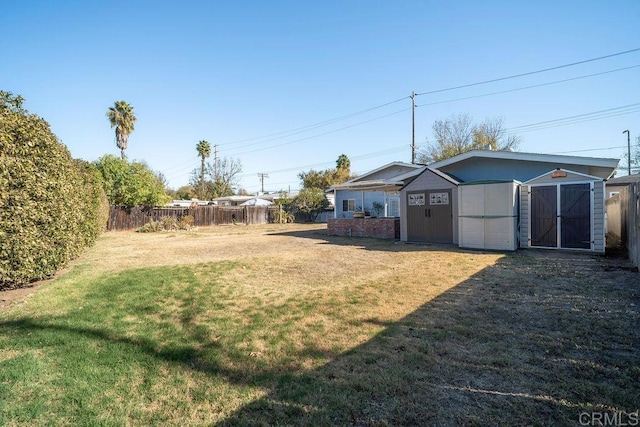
{"type": "Point", "coordinates": [393, 207]}
{"type": "Point", "coordinates": [348, 205]}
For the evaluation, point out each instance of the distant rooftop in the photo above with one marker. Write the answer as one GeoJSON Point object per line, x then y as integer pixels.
{"type": "Point", "coordinates": [627, 179]}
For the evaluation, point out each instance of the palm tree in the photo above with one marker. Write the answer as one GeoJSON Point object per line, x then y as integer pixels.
{"type": "Point", "coordinates": [204, 151]}
{"type": "Point", "coordinates": [343, 162]}
{"type": "Point", "coordinates": [122, 118]}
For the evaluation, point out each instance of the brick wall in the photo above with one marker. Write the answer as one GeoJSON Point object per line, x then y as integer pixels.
{"type": "Point", "coordinates": [381, 228]}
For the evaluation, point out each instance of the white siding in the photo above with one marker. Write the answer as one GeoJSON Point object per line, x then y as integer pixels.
{"type": "Point", "coordinates": [524, 216]}
{"type": "Point", "coordinates": [598, 217]}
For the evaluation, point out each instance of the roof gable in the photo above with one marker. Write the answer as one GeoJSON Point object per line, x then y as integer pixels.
{"type": "Point", "coordinates": [432, 171]}
{"type": "Point", "coordinates": [562, 175]}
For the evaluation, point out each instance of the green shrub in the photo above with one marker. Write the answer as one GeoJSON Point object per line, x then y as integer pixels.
{"type": "Point", "coordinates": [50, 206]}
{"type": "Point", "coordinates": [130, 183]}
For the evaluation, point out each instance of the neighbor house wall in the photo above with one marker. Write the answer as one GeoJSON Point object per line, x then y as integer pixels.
{"type": "Point", "coordinates": [359, 196]}
{"type": "Point", "coordinates": [482, 168]}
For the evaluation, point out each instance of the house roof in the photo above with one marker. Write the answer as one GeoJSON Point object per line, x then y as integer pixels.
{"type": "Point", "coordinates": [602, 167]}
{"type": "Point", "coordinates": [392, 176]}
{"type": "Point", "coordinates": [623, 180]}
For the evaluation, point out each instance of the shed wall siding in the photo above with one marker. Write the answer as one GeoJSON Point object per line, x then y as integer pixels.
{"type": "Point", "coordinates": [524, 216]}
{"type": "Point", "coordinates": [428, 181]}
{"type": "Point", "coordinates": [598, 217]}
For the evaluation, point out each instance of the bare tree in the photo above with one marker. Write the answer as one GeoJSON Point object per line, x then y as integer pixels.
{"type": "Point", "coordinates": [227, 178]}
{"type": "Point", "coordinates": [488, 135]}
{"type": "Point", "coordinates": [458, 134]}
{"type": "Point", "coordinates": [221, 184]}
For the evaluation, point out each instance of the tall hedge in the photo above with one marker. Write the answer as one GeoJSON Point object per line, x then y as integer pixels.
{"type": "Point", "coordinates": [50, 206]}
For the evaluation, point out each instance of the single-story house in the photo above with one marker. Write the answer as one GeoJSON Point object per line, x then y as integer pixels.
{"type": "Point", "coordinates": [236, 200]}
{"type": "Point", "coordinates": [375, 193]}
{"type": "Point", "coordinates": [536, 200]}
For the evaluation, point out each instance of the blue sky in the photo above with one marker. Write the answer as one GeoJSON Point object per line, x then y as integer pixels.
{"type": "Point", "coordinates": [241, 74]}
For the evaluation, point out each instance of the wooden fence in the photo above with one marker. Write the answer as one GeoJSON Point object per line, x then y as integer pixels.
{"type": "Point", "coordinates": [623, 222]}
{"type": "Point", "coordinates": [633, 224]}
{"type": "Point", "coordinates": [122, 218]}
{"type": "Point", "coordinates": [616, 208]}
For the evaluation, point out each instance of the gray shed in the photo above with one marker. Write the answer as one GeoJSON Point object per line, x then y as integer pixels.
{"type": "Point", "coordinates": [563, 209]}
{"type": "Point", "coordinates": [429, 208]}
{"type": "Point", "coordinates": [488, 215]}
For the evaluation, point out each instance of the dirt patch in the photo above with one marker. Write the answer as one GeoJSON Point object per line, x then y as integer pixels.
{"type": "Point", "coordinates": [12, 296]}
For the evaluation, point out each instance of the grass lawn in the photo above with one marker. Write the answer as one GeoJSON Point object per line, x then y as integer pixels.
{"type": "Point", "coordinates": [283, 325]}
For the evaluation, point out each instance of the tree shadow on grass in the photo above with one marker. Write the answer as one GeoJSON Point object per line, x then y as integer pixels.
{"type": "Point", "coordinates": [527, 341]}
{"type": "Point", "coordinates": [368, 243]}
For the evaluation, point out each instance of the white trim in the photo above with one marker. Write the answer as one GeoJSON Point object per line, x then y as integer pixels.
{"type": "Point", "coordinates": [364, 184]}
{"type": "Point", "coordinates": [592, 221]}
{"type": "Point", "coordinates": [532, 157]}
{"type": "Point", "coordinates": [529, 245]}
{"type": "Point", "coordinates": [542, 184]}
{"type": "Point", "coordinates": [437, 173]}
{"type": "Point", "coordinates": [591, 177]}
{"type": "Point", "coordinates": [558, 217]}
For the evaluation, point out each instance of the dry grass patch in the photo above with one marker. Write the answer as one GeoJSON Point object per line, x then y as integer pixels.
{"type": "Point", "coordinates": [285, 325]}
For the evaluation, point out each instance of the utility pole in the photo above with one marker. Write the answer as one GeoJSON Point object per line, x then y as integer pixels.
{"type": "Point", "coordinates": [628, 149]}
{"type": "Point", "coordinates": [215, 162]}
{"type": "Point", "coordinates": [413, 127]}
{"type": "Point", "coordinates": [262, 176]}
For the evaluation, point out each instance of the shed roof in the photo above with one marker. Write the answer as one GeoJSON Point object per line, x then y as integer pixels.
{"type": "Point", "coordinates": [600, 167]}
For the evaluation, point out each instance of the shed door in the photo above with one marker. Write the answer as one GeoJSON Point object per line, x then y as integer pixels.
{"type": "Point", "coordinates": [544, 211]}
{"type": "Point", "coordinates": [575, 216]}
{"type": "Point", "coordinates": [429, 216]}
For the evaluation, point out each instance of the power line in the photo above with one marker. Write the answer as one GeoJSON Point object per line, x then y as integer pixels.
{"type": "Point", "coordinates": [313, 126]}
{"type": "Point", "coordinates": [359, 157]}
{"type": "Point", "coordinates": [589, 149]}
{"type": "Point", "coordinates": [530, 72]}
{"type": "Point", "coordinates": [302, 129]}
{"type": "Point", "coordinates": [323, 134]}
{"type": "Point", "coordinates": [178, 165]}
{"type": "Point", "coordinates": [595, 115]}
{"type": "Point", "coordinates": [528, 87]}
